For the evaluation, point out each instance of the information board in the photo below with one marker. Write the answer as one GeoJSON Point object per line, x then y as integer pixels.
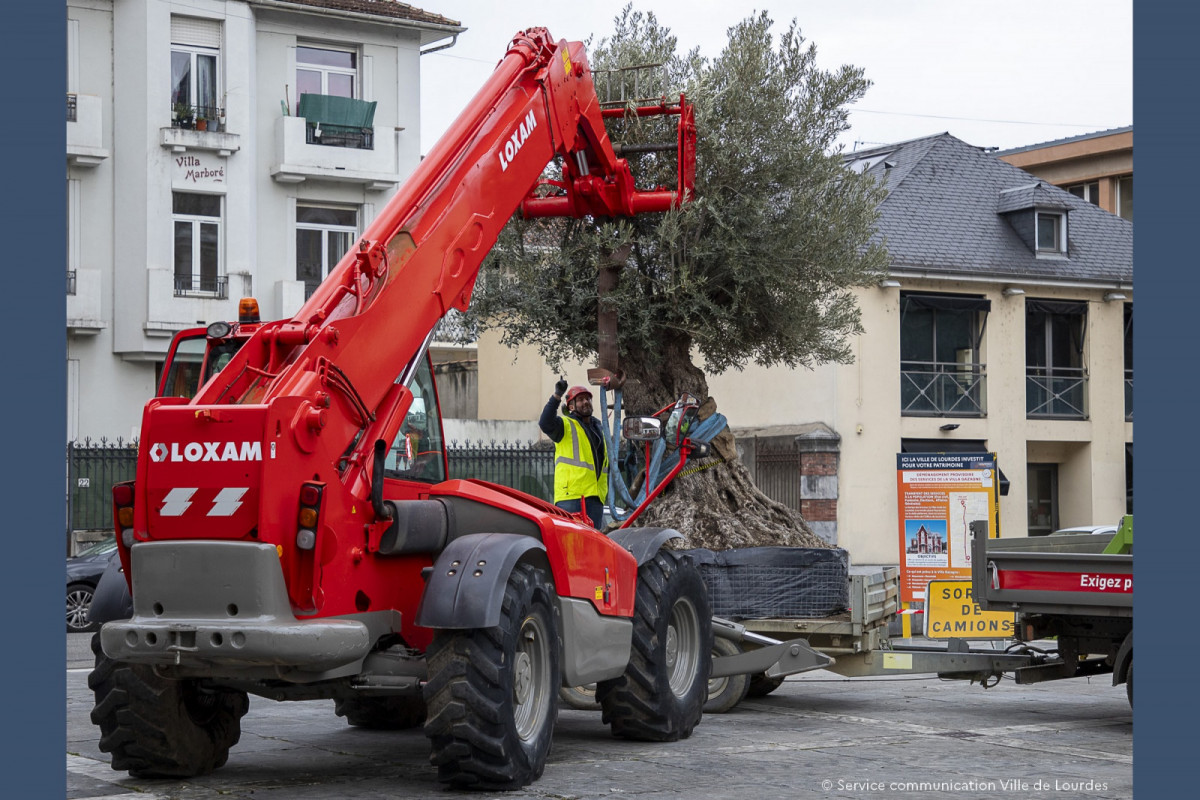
{"type": "Point", "coordinates": [939, 496]}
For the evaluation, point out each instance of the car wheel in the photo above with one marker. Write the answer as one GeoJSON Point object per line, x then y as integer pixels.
{"type": "Point", "coordinates": [79, 602]}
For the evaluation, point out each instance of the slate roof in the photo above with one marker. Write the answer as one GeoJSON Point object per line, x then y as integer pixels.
{"type": "Point", "coordinates": [379, 8]}
{"type": "Point", "coordinates": [944, 215]}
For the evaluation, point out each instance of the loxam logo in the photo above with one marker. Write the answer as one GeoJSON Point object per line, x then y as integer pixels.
{"type": "Point", "coordinates": [206, 451]}
{"type": "Point", "coordinates": [519, 137]}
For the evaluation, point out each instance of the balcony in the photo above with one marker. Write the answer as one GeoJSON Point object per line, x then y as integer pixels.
{"type": "Point", "coordinates": [1056, 393]}
{"type": "Point", "coordinates": [199, 128]}
{"type": "Point", "coordinates": [85, 130]}
{"type": "Point", "coordinates": [216, 286]}
{"type": "Point", "coordinates": [83, 302]}
{"type": "Point", "coordinates": [335, 139]}
{"type": "Point", "coordinates": [942, 389]}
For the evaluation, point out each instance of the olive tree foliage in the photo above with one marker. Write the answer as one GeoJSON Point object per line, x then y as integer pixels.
{"type": "Point", "coordinates": [758, 267]}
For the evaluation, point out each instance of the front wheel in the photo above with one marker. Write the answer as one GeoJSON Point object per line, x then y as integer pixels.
{"type": "Point", "coordinates": [161, 728]}
{"type": "Point", "coordinates": [492, 693]}
{"type": "Point", "coordinates": [726, 692]}
{"type": "Point", "coordinates": [661, 696]}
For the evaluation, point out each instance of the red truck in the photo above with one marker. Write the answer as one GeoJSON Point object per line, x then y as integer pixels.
{"type": "Point", "coordinates": [291, 532]}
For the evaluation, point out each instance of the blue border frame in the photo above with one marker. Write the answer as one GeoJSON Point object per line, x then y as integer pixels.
{"type": "Point", "coordinates": [32, 208]}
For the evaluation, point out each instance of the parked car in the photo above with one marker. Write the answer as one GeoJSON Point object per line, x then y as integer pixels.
{"type": "Point", "coordinates": [83, 573]}
{"type": "Point", "coordinates": [1085, 529]}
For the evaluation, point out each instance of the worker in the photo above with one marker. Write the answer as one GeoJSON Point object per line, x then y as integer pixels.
{"type": "Point", "coordinates": [580, 457]}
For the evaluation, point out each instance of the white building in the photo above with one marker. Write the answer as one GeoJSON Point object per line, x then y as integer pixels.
{"type": "Point", "coordinates": [193, 180]}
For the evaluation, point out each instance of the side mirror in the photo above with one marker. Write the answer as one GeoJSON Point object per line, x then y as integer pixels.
{"type": "Point", "coordinates": [641, 429]}
{"type": "Point", "coordinates": [683, 417]}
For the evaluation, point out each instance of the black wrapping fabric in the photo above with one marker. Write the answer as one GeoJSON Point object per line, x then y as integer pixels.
{"type": "Point", "coordinates": [941, 302]}
{"type": "Point", "coordinates": [1066, 307]}
{"type": "Point", "coordinates": [772, 582]}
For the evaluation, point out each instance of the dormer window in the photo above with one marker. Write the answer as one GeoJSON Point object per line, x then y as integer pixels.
{"type": "Point", "coordinates": [1051, 232]}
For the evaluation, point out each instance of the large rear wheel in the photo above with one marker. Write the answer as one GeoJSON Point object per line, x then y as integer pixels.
{"type": "Point", "coordinates": [156, 727]}
{"type": "Point", "coordinates": [661, 696]}
{"type": "Point", "coordinates": [493, 692]}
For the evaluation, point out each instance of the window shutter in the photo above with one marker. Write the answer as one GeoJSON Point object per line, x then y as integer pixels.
{"type": "Point", "coordinates": [195, 32]}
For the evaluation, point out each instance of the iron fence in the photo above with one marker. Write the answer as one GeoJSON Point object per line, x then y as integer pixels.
{"type": "Point", "coordinates": [777, 472]}
{"type": "Point", "coordinates": [92, 469]}
{"type": "Point", "coordinates": [1129, 395]}
{"type": "Point", "coordinates": [526, 466]}
{"type": "Point", "coordinates": [72, 107]}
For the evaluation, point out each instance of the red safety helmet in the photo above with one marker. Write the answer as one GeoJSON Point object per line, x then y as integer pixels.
{"type": "Point", "coordinates": [575, 391]}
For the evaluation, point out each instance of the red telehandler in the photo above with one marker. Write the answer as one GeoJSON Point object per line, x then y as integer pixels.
{"type": "Point", "coordinates": [291, 532]}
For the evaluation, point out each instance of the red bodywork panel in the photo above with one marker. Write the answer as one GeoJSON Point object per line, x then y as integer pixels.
{"type": "Point", "coordinates": [305, 399]}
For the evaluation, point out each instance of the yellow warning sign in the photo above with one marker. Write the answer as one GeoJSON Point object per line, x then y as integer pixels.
{"type": "Point", "coordinates": [951, 612]}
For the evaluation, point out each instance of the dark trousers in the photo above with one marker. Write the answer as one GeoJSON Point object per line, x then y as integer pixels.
{"type": "Point", "coordinates": [592, 505]}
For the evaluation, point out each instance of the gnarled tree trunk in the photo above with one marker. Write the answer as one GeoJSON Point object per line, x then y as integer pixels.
{"type": "Point", "coordinates": [717, 506]}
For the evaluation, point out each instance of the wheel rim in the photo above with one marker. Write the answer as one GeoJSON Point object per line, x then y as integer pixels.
{"type": "Point", "coordinates": [78, 602]}
{"type": "Point", "coordinates": [531, 670]}
{"type": "Point", "coordinates": [682, 646]}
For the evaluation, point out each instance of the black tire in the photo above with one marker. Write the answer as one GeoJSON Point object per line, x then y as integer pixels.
{"type": "Point", "coordinates": [726, 692]}
{"type": "Point", "coordinates": [761, 685]}
{"type": "Point", "coordinates": [1129, 682]}
{"type": "Point", "coordinates": [79, 603]}
{"type": "Point", "coordinates": [660, 698]}
{"type": "Point", "coordinates": [493, 692]}
{"type": "Point", "coordinates": [160, 728]}
{"type": "Point", "coordinates": [390, 713]}
{"type": "Point", "coordinates": [580, 698]}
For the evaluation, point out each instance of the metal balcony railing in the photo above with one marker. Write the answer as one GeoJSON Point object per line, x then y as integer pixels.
{"type": "Point", "coordinates": [339, 136]}
{"type": "Point", "coordinates": [1056, 392]}
{"type": "Point", "coordinates": [200, 118]}
{"type": "Point", "coordinates": [71, 282]}
{"type": "Point", "coordinates": [942, 389]}
{"type": "Point", "coordinates": [202, 285]}
{"type": "Point", "coordinates": [1129, 395]}
{"type": "Point", "coordinates": [72, 107]}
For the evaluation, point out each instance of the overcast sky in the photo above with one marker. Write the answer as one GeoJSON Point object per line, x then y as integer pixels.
{"type": "Point", "coordinates": [993, 74]}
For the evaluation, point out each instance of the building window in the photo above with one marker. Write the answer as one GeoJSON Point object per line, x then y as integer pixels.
{"type": "Point", "coordinates": [1042, 494]}
{"type": "Point", "coordinates": [941, 372]}
{"type": "Point", "coordinates": [195, 55]}
{"type": "Point", "coordinates": [1125, 197]}
{"type": "Point", "coordinates": [1055, 376]}
{"type": "Point", "coordinates": [1089, 191]}
{"type": "Point", "coordinates": [197, 223]}
{"type": "Point", "coordinates": [1051, 232]}
{"type": "Point", "coordinates": [323, 70]}
{"type": "Point", "coordinates": [323, 236]}
{"type": "Point", "coordinates": [1129, 362]}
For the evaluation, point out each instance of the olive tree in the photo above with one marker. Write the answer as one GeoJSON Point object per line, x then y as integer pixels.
{"type": "Point", "coordinates": [758, 267]}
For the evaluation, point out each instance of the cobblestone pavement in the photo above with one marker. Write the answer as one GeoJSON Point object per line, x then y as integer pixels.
{"type": "Point", "coordinates": [818, 736]}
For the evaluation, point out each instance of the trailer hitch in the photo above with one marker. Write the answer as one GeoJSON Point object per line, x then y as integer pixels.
{"type": "Point", "coordinates": [764, 654]}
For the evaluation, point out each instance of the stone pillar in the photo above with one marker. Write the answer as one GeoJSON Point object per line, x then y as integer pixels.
{"type": "Point", "coordinates": [819, 455]}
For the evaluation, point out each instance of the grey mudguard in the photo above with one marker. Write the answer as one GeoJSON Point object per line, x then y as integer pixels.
{"type": "Point", "coordinates": [111, 599]}
{"type": "Point", "coordinates": [466, 587]}
{"type": "Point", "coordinates": [643, 543]}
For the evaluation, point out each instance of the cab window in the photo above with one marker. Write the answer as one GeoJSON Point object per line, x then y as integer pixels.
{"type": "Point", "coordinates": [183, 377]}
{"type": "Point", "coordinates": [417, 454]}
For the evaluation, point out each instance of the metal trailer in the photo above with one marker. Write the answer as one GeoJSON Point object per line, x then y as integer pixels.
{"type": "Point", "coordinates": [1072, 594]}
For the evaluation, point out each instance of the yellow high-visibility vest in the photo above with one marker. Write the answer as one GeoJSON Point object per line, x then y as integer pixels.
{"type": "Point", "coordinates": [575, 466]}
